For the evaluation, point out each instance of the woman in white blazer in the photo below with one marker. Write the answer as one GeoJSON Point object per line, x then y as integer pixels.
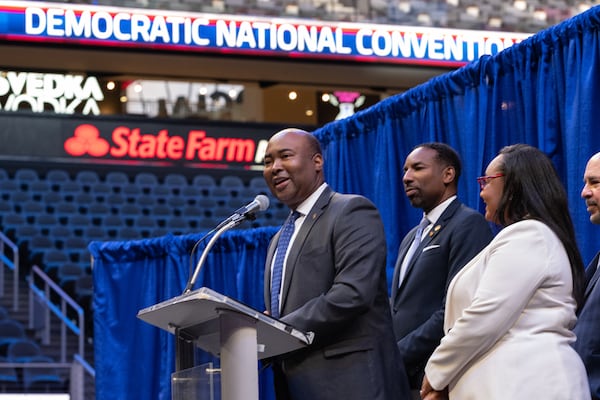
{"type": "Point", "coordinates": [510, 310]}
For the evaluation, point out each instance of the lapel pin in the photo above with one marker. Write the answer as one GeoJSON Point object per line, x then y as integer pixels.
{"type": "Point", "coordinates": [434, 230]}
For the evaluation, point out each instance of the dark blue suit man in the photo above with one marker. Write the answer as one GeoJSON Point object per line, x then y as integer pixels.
{"type": "Point", "coordinates": [587, 328]}
{"type": "Point", "coordinates": [453, 235]}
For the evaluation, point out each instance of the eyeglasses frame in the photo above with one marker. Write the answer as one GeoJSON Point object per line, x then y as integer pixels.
{"type": "Point", "coordinates": [483, 181]}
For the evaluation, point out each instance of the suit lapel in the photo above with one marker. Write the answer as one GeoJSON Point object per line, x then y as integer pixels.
{"type": "Point", "coordinates": [591, 280]}
{"type": "Point", "coordinates": [308, 224]}
{"type": "Point", "coordinates": [436, 229]}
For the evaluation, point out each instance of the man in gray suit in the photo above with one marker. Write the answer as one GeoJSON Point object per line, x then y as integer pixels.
{"type": "Point", "coordinates": [333, 283]}
{"type": "Point", "coordinates": [448, 238]}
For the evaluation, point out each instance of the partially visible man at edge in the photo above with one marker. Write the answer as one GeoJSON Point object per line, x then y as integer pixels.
{"type": "Point", "coordinates": [333, 283]}
{"type": "Point", "coordinates": [587, 328]}
{"type": "Point", "coordinates": [450, 236]}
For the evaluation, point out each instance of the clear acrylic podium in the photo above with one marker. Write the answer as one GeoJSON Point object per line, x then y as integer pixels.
{"type": "Point", "coordinates": [238, 334]}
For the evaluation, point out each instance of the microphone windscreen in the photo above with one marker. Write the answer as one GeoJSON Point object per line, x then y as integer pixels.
{"type": "Point", "coordinates": [263, 202]}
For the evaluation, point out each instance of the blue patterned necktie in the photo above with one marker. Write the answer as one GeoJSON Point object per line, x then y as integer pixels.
{"type": "Point", "coordinates": [282, 245]}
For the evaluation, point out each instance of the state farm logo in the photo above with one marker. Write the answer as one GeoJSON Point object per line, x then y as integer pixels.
{"type": "Point", "coordinates": [86, 140]}
{"type": "Point", "coordinates": [132, 144]}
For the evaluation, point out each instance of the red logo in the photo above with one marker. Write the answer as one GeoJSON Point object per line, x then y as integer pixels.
{"type": "Point", "coordinates": [86, 139]}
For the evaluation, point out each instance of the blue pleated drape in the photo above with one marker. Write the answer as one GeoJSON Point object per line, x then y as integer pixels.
{"type": "Point", "coordinates": [544, 91]}
{"type": "Point", "coordinates": [134, 360]}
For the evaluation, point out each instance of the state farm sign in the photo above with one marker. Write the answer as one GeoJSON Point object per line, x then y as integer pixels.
{"type": "Point", "coordinates": [195, 146]}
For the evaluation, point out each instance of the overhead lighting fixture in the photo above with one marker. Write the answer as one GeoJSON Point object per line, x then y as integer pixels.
{"type": "Point", "coordinates": [495, 22]}
{"type": "Point", "coordinates": [325, 97]}
{"type": "Point", "coordinates": [110, 85]}
{"type": "Point", "coordinates": [292, 95]}
{"type": "Point", "coordinates": [473, 11]}
{"type": "Point", "coordinates": [520, 5]}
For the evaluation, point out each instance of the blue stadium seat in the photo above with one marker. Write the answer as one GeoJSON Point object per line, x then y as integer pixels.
{"type": "Point", "coordinates": [41, 243]}
{"type": "Point", "coordinates": [65, 209]}
{"type": "Point", "coordinates": [145, 200]}
{"type": "Point", "coordinates": [131, 190]}
{"type": "Point", "coordinates": [115, 199]}
{"type": "Point", "coordinates": [23, 233]}
{"type": "Point", "coordinates": [146, 181]}
{"type": "Point", "coordinates": [145, 225]}
{"type": "Point", "coordinates": [129, 233]}
{"type": "Point", "coordinates": [117, 178]}
{"type": "Point", "coordinates": [87, 177]}
{"type": "Point", "coordinates": [161, 210]}
{"type": "Point", "coordinates": [46, 221]}
{"type": "Point", "coordinates": [176, 201]}
{"type": "Point", "coordinates": [42, 379]}
{"type": "Point", "coordinates": [158, 232]}
{"type": "Point", "coordinates": [68, 272]}
{"type": "Point", "coordinates": [51, 198]}
{"type": "Point", "coordinates": [258, 183]}
{"type": "Point", "coordinates": [94, 233]}
{"type": "Point", "coordinates": [192, 194]}
{"type": "Point", "coordinates": [161, 192]}
{"type": "Point", "coordinates": [26, 175]}
{"type": "Point", "coordinates": [204, 181]}
{"type": "Point", "coordinates": [220, 195]}
{"type": "Point", "coordinates": [231, 181]}
{"type": "Point", "coordinates": [193, 212]}
{"type": "Point", "coordinates": [177, 180]}
{"type": "Point", "coordinates": [39, 189]}
{"type": "Point", "coordinates": [57, 176]}
{"type": "Point", "coordinates": [84, 288]}
{"type": "Point", "coordinates": [22, 350]}
{"type": "Point", "coordinates": [18, 199]}
{"type": "Point", "coordinates": [112, 221]}
{"type": "Point", "coordinates": [9, 378]}
{"type": "Point", "coordinates": [178, 225]}
{"type": "Point", "coordinates": [207, 204]}
{"type": "Point", "coordinates": [10, 331]}
{"type": "Point", "coordinates": [78, 220]}
{"type": "Point", "coordinates": [98, 209]}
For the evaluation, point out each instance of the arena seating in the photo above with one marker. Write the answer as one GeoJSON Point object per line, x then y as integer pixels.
{"type": "Point", "coordinates": [53, 215]}
{"type": "Point", "coordinates": [17, 347]}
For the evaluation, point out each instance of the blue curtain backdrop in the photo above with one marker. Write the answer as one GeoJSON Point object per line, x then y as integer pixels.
{"type": "Point", "coordinates": [544, 91]}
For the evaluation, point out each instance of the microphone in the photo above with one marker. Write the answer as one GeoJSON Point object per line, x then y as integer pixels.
{"type": "Point", "coordinates": [260, 203]}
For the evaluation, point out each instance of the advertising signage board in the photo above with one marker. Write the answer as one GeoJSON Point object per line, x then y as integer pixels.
{"type": "Point", "coordinates": [133, 142]}
{"type": "Point", "coordinates": [158, 30]}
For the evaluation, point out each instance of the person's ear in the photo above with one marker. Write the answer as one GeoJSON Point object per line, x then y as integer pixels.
{"type": "Point", "coordinates": [318, 160]}
{"type": "Point", "coordinates": [448, 174]}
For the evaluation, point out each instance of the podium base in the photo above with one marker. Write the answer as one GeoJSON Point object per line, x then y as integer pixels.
{"type": "Point", "coordinates": [202, 382]}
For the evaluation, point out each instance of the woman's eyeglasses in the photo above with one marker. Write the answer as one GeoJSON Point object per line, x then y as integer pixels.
{"type": "Point", "coordinates": [484, 180]}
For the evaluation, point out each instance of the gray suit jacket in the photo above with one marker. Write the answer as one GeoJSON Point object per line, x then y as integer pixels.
{"type": "Point", "coordinates": [335, 286]}
{"type": "Point", "coordinates": [418, 304]}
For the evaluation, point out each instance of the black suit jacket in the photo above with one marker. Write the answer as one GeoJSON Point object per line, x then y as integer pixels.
{"type": "Point", "coordinates": [335, 286]}
{"type": "Point", "coordinates": [418, 304]}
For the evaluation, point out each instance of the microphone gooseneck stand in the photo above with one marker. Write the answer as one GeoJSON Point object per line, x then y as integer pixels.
{"type": "Point", "coordinates": [222, 229]}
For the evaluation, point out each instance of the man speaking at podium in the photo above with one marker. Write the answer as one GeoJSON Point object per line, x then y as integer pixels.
{"type": "Point", "coordinates": [325, 273]}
